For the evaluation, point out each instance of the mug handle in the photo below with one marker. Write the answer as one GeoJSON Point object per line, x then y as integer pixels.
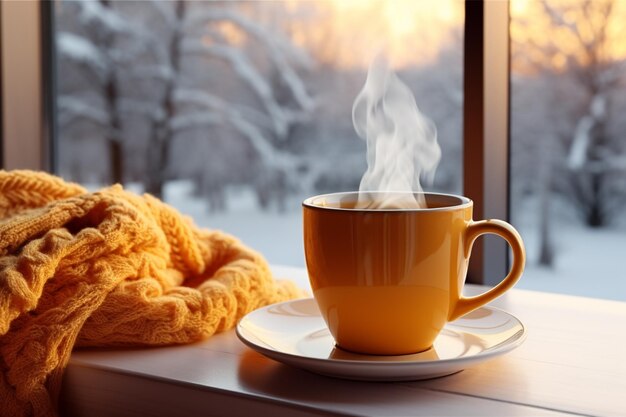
{"type": "Point", "coordinates": [508, 233]}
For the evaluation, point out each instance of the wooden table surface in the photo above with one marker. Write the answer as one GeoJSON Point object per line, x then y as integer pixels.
{"type": "Point", "coordinates": [573, 362]}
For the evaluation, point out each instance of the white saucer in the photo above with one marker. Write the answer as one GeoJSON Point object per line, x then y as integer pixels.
{"type": "Point", "coordinates": [294, 333]}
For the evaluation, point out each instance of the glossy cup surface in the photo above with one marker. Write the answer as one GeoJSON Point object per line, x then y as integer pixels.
{"type": "Point", "coordinates": [387, 280]}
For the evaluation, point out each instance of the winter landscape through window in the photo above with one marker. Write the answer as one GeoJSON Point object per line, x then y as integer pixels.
{"type": "Point", "coordinates": [234, 112]}
{"type": "Point", "coordinates": [568, 146]}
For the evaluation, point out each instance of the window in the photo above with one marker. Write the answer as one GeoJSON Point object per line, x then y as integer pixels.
{"type": "Point", "coordinates": [234, 112]}
{"type": "Point", "coordinates": [548, 108]}
{"type": "Point", "coordinates": [568, 182]}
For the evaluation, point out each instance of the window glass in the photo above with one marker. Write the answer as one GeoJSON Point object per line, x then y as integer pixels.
{"type": "Point", "coordinates": [568, 146]}
{"type": "Point", "coordinates": [236, 111]}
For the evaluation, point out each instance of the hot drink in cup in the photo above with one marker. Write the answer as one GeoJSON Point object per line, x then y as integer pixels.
{"type": "Point", "coordinates": [388, 279]}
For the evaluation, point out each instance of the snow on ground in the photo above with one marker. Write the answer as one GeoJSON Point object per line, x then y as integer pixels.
{"type": "Point", "coordinates": [588, 262]}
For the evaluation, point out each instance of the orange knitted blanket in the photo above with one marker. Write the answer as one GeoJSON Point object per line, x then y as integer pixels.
{"type": "Point", "coordinates": [108, 268]}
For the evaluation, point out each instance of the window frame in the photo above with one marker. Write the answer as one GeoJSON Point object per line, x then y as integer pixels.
{"type": "Point", "coordinates": [28, 124]}
{"type": "Point", "coordinates": [26, 83]}
{"type": "Point", "coordinates": [486, 130]}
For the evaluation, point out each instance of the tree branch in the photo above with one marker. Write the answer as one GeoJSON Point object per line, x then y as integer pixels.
{"type": "Point", "coordinates": [247, 72]}
{"type": "Point", "coordinates": [71, 109]}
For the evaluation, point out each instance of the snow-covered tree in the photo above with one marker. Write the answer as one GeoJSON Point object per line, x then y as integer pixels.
{"type": "Point", "coordinates": [120, 49]}
{"type": "Point", "coordinates": [96, 51]}
{"type": "Point", "coordinates": [585, 78]}
{"type": "Point", "coordinates": [275, 98]}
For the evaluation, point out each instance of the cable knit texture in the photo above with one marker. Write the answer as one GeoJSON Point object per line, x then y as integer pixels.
{"type": "Point", "coordinates": [108, 268]}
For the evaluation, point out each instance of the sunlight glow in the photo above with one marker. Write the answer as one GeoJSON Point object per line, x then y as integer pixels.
{"type": "Point", "coordinates": [409, 32]}
{"type": "Point", "coordinates": [575, 34]}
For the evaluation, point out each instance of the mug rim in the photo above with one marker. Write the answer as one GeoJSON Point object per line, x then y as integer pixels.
{"type": "Point", "coordinates": [465, 202]}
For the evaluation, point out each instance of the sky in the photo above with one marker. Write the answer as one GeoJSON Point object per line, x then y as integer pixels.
{"type": "Point", "coordinates": [349, 33]}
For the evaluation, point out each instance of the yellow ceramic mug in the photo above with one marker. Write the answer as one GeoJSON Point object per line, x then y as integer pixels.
{"type": "Point", "coordinates": [387, 280]}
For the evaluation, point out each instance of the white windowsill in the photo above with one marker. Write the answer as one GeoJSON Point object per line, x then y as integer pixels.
{"type": "Point", "coordinates": [571, 362]}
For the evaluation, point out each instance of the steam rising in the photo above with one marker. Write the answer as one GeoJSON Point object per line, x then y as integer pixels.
{"type": "Point", "coordinates": [401, 142]}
